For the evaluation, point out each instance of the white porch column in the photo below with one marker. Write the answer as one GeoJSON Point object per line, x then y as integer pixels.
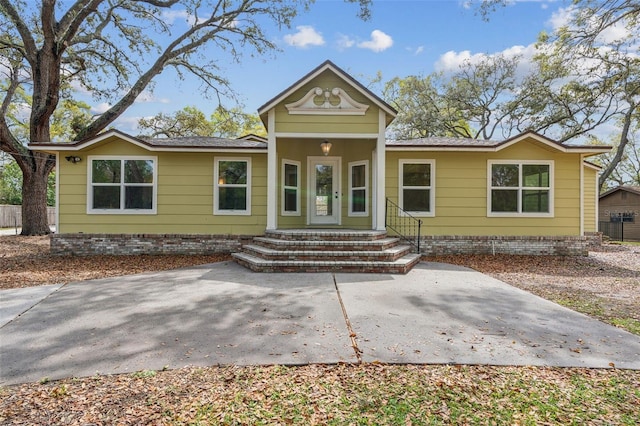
{"type": "Point", "coordinates": [380, 169]}
{"type": "Point", "coordinates": [272, 173]}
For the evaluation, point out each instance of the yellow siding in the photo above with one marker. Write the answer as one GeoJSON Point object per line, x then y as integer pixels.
{"type": "Point", "coordinates": [590, 199]}
{"type": "Point", "coordinates": [461, 192]}
{"type": "Point", "coordinates": [287, 123]}
{"type": "Point", "coordinates": [184, 202]}
{"type": "Point", "coordinates": [349, 150]}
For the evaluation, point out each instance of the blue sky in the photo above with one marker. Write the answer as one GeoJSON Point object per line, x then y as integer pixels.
{"type": "Point", "coordinates": [403, 38]}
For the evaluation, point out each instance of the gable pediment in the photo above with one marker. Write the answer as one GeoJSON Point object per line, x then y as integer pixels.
{"type": "Point", "coordinates": [307, 96]}
{"type": "Point", "coordinates": [327, 101]}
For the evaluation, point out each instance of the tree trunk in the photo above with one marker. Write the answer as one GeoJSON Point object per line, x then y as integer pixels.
{"type": "Point", "coordinates": [624, 139]}
{"type": "Point", "coordinates": [35, 220]}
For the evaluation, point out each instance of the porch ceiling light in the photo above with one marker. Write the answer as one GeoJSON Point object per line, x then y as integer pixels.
{"type": "Point", "coordinates": [326, 147]}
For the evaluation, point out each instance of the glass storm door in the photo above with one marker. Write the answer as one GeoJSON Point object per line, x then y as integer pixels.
{"type": "Point", "coordinates": [324, 196]}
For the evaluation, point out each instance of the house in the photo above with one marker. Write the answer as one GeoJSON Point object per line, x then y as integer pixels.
{"type": "Point", "coordinates": [619, 213]}
{"type": "Point", "coordinates": [325, 164]}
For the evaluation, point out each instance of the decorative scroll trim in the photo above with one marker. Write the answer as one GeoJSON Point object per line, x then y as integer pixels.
{"type": "Point", "coordinates": [327, 102]}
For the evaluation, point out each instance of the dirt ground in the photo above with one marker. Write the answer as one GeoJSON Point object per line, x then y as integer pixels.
{"type": "Point", "coordinates": [605, 284]}
{"type": "Point", "coordinates": [26, 262]}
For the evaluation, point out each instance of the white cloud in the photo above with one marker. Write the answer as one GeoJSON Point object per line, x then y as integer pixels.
{"type": "Point", "coordinates": [451, 61]}
{"type": "Point", "coordinates": [560, 18]}
{"type": "Point", "coordinates": [170, 16]}
{"type": "Point", "coordinates": [305, 37]}
{"type": "Point", "coordinates": [100, 108]}
{"type": "Point", "coordinates": [614, 33]}
{"type": "Point", "coordinates": [345, 42]}
{"type": "Point", "coordinates": [147, 97]}
{"type": "Point", "coordinates": [379, 42]}
{"type": "Point", "coordinates": [128, 124]}
{"type": "Point", "coordinates": [418, 51]}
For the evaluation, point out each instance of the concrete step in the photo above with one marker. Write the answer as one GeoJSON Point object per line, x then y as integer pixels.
{"type": "Point", "coordinates": [325, 234]}
{"type": "Point", "coordinates": [324, 253]}
{"type": "Point", "coordinates": [257, 264]}
{"type": "Point", "coordinates": [330, 245]}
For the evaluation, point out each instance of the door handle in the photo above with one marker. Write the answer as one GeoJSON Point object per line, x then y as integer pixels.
{"type": "Point", "coordinates": [336, 195]}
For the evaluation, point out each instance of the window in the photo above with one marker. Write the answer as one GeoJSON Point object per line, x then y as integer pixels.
{"type": "Point", "coordinates": [622, 217]}
{"type": "Point", "coordinates": [232, 193]}
{"type": "Point", "coordinates": [520, 188]}
{"type": "Point", "coordinates": [120, 185]}
{"type": "Point", "coordinates": [290, 188]}
{"type": "Point", "coordinates": [359, 188]}
{"type": "Point", "coordinates": [416, 193]}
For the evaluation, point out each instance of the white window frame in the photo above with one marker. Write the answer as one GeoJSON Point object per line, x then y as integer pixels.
{"type": "Point", "coordinates": [122, 184]}
{"type": "Point", "coordinates": [431, 187]}
{"type": "Point", "coordinates": [520, 188]}
{"type": "Point", "coordinates": [351, 165]}
{"type": "Point", "coordinates": [298, 166]}
{"type": "Point", "coordinates": [217, 186]}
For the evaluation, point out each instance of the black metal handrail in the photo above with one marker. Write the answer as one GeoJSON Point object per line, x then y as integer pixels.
{"type": "Point", "coordinates": [403, 223]}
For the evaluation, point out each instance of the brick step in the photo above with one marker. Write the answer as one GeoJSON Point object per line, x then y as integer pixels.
{"type": "Point", "coordinates": [257, 264]}
{"type": "Point", "coordinates": [389, 254]}
{"type": "Point", "coordinates": [325, 234]}
{"type": "Point", "coordinates": [331, 245]}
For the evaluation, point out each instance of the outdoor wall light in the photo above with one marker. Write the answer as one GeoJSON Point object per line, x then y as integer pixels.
{"type": "Point", "coordinates": [326, 147]}
{"type": "Point", "coordinates": [73, 159]}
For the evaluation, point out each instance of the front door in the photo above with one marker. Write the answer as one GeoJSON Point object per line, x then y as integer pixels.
{"type": "Point", "coordinates": [324, 191]}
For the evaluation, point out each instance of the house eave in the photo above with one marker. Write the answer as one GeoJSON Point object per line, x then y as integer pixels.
{"type": "Point", "coordinates": [149, 146]}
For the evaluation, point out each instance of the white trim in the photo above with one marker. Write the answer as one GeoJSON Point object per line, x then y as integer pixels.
{"type": "Point", "coordinates": [558, 146]}
{"type": "Point", "coordinates": [327, 66]}
{"type": "Point", "coordinates": [307, 105]}
{"type": "Point", "coordinates": [123, 136]}
{"type": "Point", "coordinates": [337, 187]}
{"type": "Point", "coordinates": [519, 188]}
{"type": "Point", "coordinates": [57, 213]}
{"type": "Point", "coordinates": [374, 192]}
{"type": "Point", "coordinates": [380, 170]}
{"type": "Point", "coordinates": [390, 148]}
{"type": "Point", "coordinates": [326, 135]}
{"type": "Point", "coordinates": [298, 166]}
{"type": "Point", "coordinates": [597, 201]}
{"type": "Point", "coordinates": [592, 166]}
{"type": "Point", "coordinates": [272, 173]}
{"type": "Point", "coordinates": [431, 187]}
{"type": "Point", "coordinates": [582, 194]}
{"type": "Point", "coordinates": [350, 188]}
{"type": "Point", "coordinates": [216, 186]}
{"type": "Point", "coordinates": [122, 184]}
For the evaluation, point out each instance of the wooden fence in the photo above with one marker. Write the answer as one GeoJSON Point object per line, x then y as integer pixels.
{"type": "Point", "coordinates": [11, 216]}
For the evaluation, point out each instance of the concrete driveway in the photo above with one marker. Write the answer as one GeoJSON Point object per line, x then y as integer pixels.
{"type": "Point", "coordinates": [224, 314]}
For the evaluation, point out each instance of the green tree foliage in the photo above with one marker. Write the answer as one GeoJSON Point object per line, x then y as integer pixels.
{"type": "Point", "coordinates": [190, 121]}
{"type": "Point", "coordinates": [422, 110]}
{"type": "Point", "coordinates": [114, 49]}
{"type": "Point", "coordinates": [475, 101]}
{"type": "Point", "coordinates": [11, 185]}
{"type": "Point", "coordinates": [601, 41]}
{"type": "Point", "coordinates": [589, 76]}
